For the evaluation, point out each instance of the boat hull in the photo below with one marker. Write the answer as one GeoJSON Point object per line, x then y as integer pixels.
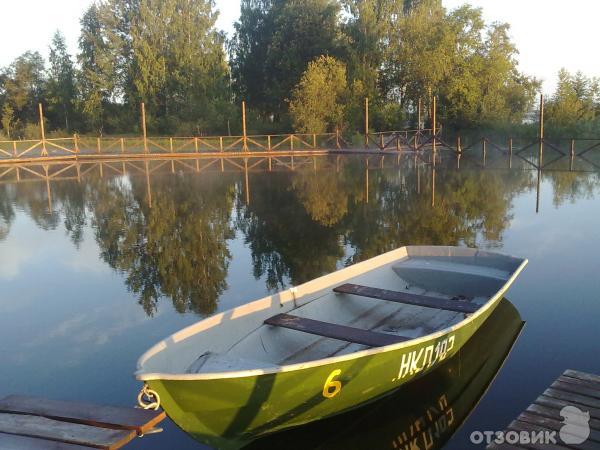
{"type": "Point", "coordinates": [242, 408]}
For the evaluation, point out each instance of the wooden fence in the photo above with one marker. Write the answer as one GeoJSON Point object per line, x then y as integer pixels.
{"type": "Point", "coordinates": [85, 147]}
{"type": "Point", "coordinates": [92, 147]}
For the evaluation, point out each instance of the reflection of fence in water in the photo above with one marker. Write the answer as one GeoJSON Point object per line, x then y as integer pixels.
{"type": "Point", "coordinates": [78, 171]}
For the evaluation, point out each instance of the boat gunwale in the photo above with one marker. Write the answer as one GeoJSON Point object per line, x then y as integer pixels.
{"type": "Point", "coordinates": [141, 375]}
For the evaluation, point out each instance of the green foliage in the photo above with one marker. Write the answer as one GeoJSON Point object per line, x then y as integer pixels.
{"type": "Point", "coordinates": [317, 103]}
{"type": "Point", "coordinates": [24, 86]}
{"type": "Point", "coordinates": [179, 62]}
{"type": "Point", "coordinates": [96, 79]}
{"type": "Point", "coordinates": [8, 119]}
{"type": "Point", "coordinates": [61, 91]}
{"type": "Point", "coordinates": [273, 44]}
{"type": "Point", "coordinates": [575, 105]}
{"type": "Point", "coordinates": [366, 29]}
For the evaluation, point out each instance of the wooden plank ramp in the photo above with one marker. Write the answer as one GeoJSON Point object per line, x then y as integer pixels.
{"type": "Point", "coordinates": [578, 390]}
{"type": "Point", "coordinates": [37, 423]}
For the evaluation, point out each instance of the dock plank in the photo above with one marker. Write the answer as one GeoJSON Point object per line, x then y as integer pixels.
{"type": "Point", "coordinates": [551, 402]}
{"type": "Point", "coordinates": [14, 442]}
{"type": "Point", "coordinates": [576, 389]}
{"type": "Point", "coordinates": [568, 396]}
{"type": "Point", "coordinates": [140, 420]}
{"type": "Point", "coordinates": [70, 433]}
{"type": "Point", "coordinates": [554, 413]}
{"type": "Point", "coordinates": [578, 382]}
{"type": "Point", "coordinates": [582, 375]}
{"type": "Point", "coordinates": [408, 298]}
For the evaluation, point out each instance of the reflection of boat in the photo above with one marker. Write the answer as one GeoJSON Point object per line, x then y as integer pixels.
{"type": "Point", "coordinates": [423, 414]}
{"type": "Point", "coordinates": [257, 369]}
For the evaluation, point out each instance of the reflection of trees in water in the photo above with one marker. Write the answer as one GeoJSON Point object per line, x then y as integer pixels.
{"type": "Point", "coordinates": [286, 242]}
{"type": "Point", "coordinates": [298, 228]}
{"type": "Point", "coordinates": [469, 206]}
{"type": "Point", "coordinates": [7, 213]}
{"type": "Point", "coordinates": [323, 196]}
{"type": "Point", "coordinates": [177, 248]}
{"type": "Point", "coordinates": [298, 225]}
{"type": "Point", "coordinates": [33, 199]}
{"type": "Point", "coordinates": [571, 186]}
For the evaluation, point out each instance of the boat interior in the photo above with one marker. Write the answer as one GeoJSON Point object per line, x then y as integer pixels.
{"type": "Point", "coordinates": [401, 295]}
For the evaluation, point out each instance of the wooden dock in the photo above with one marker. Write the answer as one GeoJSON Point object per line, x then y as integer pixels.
{"type": "Point", "coordinates": [34, 423]}
{"type": "Point", "coordinates": [547, 415]}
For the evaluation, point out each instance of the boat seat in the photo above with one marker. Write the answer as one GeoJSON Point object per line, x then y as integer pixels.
{"type": "Point", "coordinates": [335, 331]}
{"type": "Point", "coordinates": [408, 298]}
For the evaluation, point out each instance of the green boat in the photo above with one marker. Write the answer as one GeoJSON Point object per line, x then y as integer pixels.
{"type": "Point", "coordinates": [326, 346]}
{"type": "Point", "coordinates": [424, 414]}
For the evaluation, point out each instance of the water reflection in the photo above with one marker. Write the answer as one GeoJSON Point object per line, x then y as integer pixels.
{"type": "Point", "coordinates": [168, 225]}
{"type": "Point", "coordinates": [426, 412]}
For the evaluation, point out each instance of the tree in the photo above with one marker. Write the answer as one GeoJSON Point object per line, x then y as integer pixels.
{"type": "Point", "coordinates": [317, 103]}
{"type": "Point", "coordinates": [273, 43]}
{"type": "Point", "coordinates": [366, 28]}
{"type": "Point", "coordinates": [575, 100]}
{"type": "Point", "coordinates": [25, 85]}
{"type": "Point", "coordinates": [179, 60]}
{"type": "Point", "coordinates": [8, 117]}
{"type": "Point", "coordinates": [61, 93]}
{"type": "Point", "coordinates": [420, 51]}
{"type": "Point", "coordinates": [95, 77]}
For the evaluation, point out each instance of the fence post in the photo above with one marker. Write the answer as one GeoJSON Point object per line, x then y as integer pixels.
{"type": "Point", "coordinates": [15, 149]}
{"type": "Point", "coordinates": [572, 154]}
{"type": "Point", "coordinates": [458, 146]}
{"type": "Point", "coordinates": [171, 144]}
{"type": "Point", "coordinates": [196, 144]}
{"type": "Point", "coordinates": [366, 122]}
{"type": "Point", "coordinates": [269, 142]}
{"type": "Point", "coordinates": [541, 151]}
{"type": "Point", "coordinates": [337, 137]}
{"type": "Point", "coordinates": [397, 142]}
{"type": "Point", "coordinates": [122, 145]}
{"type": "Point", "coordinates": [42, 131]}
{"type": "Point", "coordinates": [381, 143]}
{"type": "Point", "coordinates": [434, 125]}
{"type": "Point", "coordinates": [98, 145]}
{"type": "Point", "coordinates": [314, 141]}
{"type": "Point", "coordinates": [75, 144]}
{"type": "Point", "coordinates": [221, 143]}
{"type": "Point", "coordinates": [484, 150]}
{"type": "Point", "coordinates": [144, 128]}
{"type": "Point", "coordinates": [244, 137]}
{"type": "Point", "coordinates": [292, 142]}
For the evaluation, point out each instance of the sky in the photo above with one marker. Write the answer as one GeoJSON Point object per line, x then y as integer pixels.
{"type": "Point", "coordinates": [549, 34]}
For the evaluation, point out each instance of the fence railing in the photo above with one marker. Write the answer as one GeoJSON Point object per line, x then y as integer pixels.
{"type": "Point", "coordinates": [89, 147]}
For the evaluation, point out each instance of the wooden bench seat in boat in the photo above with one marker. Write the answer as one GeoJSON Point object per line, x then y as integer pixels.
{"type": "Point", "coordinates": [408, 298]}
{"type": "Point", "coordinates": [335, 331]}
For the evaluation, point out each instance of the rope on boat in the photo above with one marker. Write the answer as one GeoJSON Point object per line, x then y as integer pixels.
{"type": "Point", "coordinates": [148, 399]}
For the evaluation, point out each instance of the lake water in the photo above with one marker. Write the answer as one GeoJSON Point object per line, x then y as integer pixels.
{"type": "Point", "coordinates": [100, 261]}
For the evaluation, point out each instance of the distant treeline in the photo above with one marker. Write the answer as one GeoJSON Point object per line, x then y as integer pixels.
{"type": "Point", "coordinates": [301, 64]}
